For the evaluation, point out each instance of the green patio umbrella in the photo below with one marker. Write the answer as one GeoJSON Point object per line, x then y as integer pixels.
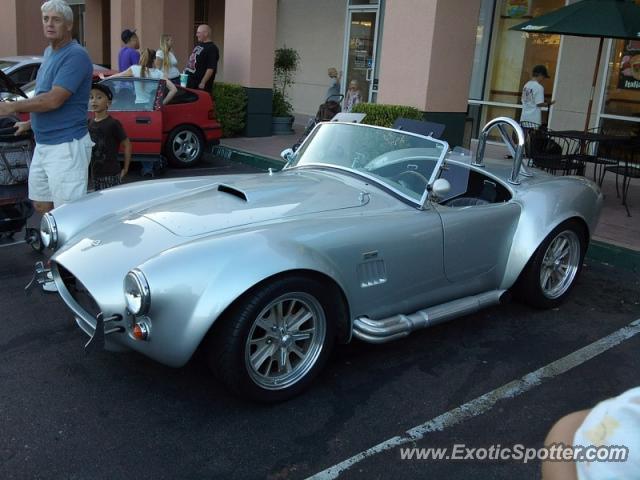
{"type": "Point", "coordinates": [590, 18]}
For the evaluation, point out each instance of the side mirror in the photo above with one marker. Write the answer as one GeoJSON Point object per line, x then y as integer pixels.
{"type": "Point", "coordinates": [440, 189]}
{"type": "Point", "coordinates": [287, 155]}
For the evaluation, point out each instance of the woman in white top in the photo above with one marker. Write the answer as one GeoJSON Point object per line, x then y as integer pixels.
{"type": "Point", "coordinates": [166, 60]}
{"type": "Point", "coordinates": [145, 90]}
{"type": "Point", "coordinates": [146, 69]}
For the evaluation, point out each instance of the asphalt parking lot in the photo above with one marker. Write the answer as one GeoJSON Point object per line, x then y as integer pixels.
{"type": "Point", "coordinates": [67, 415]}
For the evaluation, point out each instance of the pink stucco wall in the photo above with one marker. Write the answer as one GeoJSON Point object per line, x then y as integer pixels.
{"type": "Point", "coordinates": [178, 21]}
{"type": "Point", "coordinates": [93, 32]}
{"type": "Point", "coordinates": [8, 30]}
{"type": "Point", "coordinates": [152, 18]}
{"type": "Point", "coordinates": [122, 16]}
{"type": "Point", "coordinates": [30, 36]}
{"type": "Point", "coordinates": [249, 45]}
{"type": "Point", "coordinates": [429, 69]}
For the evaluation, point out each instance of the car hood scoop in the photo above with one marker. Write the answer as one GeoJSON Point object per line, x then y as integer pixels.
{"type": "Point", "coordinates": [253, 199]}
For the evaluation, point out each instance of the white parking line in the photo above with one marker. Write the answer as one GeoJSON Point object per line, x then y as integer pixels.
{"type": "Point", "coordinates": [485, 402]}
{"type": "Point", "coordinates": [11, 244]}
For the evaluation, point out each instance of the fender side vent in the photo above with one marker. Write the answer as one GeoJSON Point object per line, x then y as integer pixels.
{"type": "Point", "coordinates": [232, 191]}
{"type": "Point", "coordinates": [372, 273]}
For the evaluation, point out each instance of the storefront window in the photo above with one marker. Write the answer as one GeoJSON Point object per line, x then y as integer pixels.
{"type": "Point", "coordinates": [621, 106]}
{"type": "Point", "coordinates": [511, 57]}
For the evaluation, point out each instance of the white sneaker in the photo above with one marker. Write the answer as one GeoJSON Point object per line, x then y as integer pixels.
{"type": "Point", "coordinates": [50, 284]}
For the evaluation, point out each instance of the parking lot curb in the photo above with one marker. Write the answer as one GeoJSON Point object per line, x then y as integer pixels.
{"type": "Point", "coordinates": [614, 255]}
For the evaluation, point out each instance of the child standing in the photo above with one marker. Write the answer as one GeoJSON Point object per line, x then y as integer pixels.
{"type": "Point", "coordinates": [353, 96]}
{"type": "Point", "coordinates": [107, 134]}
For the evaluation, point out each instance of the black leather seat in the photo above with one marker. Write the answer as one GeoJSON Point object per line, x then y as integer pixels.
{"type": "Point", "coordinates": [487, 195]}
{"type": "Point", "coordinates": [467, 202]}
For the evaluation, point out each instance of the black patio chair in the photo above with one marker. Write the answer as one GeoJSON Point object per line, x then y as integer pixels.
{"type": "Point", "coordinates": [627, 164]}
{"type": "Point", "coordinates": [555, 154]}
{"type": "Point", "coordinates": [598, 155]}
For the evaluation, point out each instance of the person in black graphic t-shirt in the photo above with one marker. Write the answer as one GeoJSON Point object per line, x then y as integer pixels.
{"type": "Point", "coordinates": [203, 61]}
{"type": "Point", "coordinates": [107, 134]}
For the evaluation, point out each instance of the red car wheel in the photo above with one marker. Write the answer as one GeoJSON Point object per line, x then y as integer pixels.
{"type": "Point", "coordinates": [185, 146]}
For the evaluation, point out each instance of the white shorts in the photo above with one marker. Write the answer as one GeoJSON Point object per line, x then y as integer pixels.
{"type": "Point", "coordinates": [59, 173]}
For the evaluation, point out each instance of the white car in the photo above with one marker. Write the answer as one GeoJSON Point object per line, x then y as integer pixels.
{"type": "Point", "coordinates": [22, 69]}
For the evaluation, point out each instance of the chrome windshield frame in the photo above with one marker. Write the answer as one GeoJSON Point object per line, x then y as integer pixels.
{"type": "Point", "coordinates": [421, 203]}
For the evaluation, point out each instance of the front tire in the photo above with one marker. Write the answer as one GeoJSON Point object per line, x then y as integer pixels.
{"type": "Point", "coordinates": [272, 344]}
{"type": "Point", "coordinates": [553, 270]}
{"type": "Point", "coordinates": [185, 146]}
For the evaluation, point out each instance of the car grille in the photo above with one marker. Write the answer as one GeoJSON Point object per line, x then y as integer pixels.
{"type": "Point", "coordinates": [79, 292]}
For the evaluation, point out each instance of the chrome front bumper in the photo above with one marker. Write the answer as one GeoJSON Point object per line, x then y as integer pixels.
{"type": "Point", "coordinates": [96, 327]}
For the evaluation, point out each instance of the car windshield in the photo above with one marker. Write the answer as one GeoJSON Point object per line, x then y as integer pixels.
{"type": "Point", "coordinates": [401, 161]}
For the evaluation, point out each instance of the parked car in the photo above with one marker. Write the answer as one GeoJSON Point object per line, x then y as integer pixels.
{"type": "Point", "coordinates": [22, 69]}
{"type": "Point", "coordinates": [28, 90]}
{"type": "Point", "coordinates": [368, 233]}
{"type": "Point", "coordinates": [179, 130]}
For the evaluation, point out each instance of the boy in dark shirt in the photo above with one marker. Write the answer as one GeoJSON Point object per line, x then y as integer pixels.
{"type": "Point", "coordinates": [107, 134]}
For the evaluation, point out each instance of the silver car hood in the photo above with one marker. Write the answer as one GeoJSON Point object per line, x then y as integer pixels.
{"type": "Point", "coordinates": [252, 199]}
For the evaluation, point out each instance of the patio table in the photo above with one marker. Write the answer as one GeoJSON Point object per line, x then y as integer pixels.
{"type": "Point", "coordinates": [619, 156]}
{"type": "Point", "coordinates": [587, 149]}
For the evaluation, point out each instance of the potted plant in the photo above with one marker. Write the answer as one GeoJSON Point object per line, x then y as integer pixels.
{"type": "Point", "coordinates": [285, 66]}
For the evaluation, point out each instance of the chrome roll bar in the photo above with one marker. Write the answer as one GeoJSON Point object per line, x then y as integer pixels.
{"type": "Point", "coordinates": [515, 149]}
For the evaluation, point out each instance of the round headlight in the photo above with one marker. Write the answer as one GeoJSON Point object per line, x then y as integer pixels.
{"type": "Point", "coordinates": [136, 292]}
{"type": "Point", "coordinates": [48, 231]}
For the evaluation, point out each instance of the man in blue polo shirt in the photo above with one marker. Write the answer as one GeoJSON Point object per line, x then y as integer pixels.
{"type": "Point", "coordinates": [60, 164]}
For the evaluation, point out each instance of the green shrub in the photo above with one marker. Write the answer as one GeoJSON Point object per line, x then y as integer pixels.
{"type": "Point", "coordinates": [280, 106]}
{"type": "Point", "coordinates": [285, 66]}
{"type": "Point", "coordinates": [385, 115]}
{"type": "Point", "coordinates": [231, 107]}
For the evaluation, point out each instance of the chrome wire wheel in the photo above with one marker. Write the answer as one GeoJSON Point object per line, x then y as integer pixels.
{"type": "Point", "coordinates": [560, 264]}
{"type": "Point", "coordinates": [285, 341]}
{"type": "Point", "coordinates": [186, 146]}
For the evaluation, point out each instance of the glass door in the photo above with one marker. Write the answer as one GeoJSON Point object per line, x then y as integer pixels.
{"type": "Point", "coordinates": [360, 47]}
{"type": "Point", "coordinates": [504, 58]}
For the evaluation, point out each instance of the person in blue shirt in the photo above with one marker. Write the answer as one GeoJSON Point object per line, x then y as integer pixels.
{"type": "Point", "coordinates": [129, 54]}
{"type": "Point", "coordinates": [59, 168]}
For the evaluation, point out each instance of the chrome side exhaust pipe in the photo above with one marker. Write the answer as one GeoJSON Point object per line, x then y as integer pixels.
{"type": "Point", "coordinates": [398, 326]}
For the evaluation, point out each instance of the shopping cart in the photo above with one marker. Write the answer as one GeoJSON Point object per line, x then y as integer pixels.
{"type": "Point", "coordinates": [15, 157]}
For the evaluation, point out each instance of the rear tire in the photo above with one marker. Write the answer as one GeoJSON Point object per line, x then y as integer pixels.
{"type": "Point", "coordinates": [554, 268]}
{"type": "Point", "coordinates": [275, 340]}
{"type": "Point", "coordinates": [185, 146]}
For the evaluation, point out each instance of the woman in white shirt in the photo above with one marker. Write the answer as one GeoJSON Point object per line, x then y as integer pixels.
{"type": "Point", "coordinates": [144, 91]}
{"type": "Point", "coordinates": [166, 60]}
{"type": "Point", "coordinates": [146, 69]}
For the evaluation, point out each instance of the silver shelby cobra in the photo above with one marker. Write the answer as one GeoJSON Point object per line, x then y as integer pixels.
{"type": "Point", "coordinates": [367, 233]}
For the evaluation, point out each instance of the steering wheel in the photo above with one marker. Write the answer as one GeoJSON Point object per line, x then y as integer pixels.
{"type": "Point", "coordinates": [412, 180]}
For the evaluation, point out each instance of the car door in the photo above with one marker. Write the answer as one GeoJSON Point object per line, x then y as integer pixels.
{"type": "Point", "coordinates": [477, 238]}
{"type": "Point", "coordinates": [137, 103]}
{"type": "Point", "coordinates": [399, 262]}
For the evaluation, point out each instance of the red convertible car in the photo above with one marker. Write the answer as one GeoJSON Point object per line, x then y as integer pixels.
{"type": "Point", "coordinates": [179, 130]}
